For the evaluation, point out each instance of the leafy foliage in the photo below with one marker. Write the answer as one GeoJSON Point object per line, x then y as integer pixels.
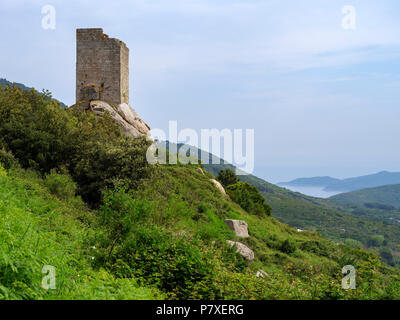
{"type": "Point", "coordinates": [249, 198]}
{"type": "Point", "coordinates": [43, 136]}
{"type": "Point", "coordinates": [227, 177]}
{"type": "Point", "coordinates": [158, 232]}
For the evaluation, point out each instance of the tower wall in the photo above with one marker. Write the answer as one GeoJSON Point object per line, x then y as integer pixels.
{"type": "Point", "coordinates": [102, 67]}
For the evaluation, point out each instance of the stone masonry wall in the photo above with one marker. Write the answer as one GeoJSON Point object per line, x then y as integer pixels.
{"type": "Point", "coordinates": [102, 67]}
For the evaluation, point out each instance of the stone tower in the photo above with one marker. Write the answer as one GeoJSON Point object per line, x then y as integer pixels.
{"type": "Point", "coordinates": [102, 68]}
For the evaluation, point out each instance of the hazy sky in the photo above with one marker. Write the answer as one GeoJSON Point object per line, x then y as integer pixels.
{"type": "Point", "coordinates": [322, 100]}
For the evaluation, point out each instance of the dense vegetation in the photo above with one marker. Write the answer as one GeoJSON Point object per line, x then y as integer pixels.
{"type": "Point", "coordinates": [354, 225]}
{"type": "Point", "coordinates": [143, 231]}
{"type": "Point", "coordinates": [5, 83]}
{"type": "Point", "coordinates": [384, 198]}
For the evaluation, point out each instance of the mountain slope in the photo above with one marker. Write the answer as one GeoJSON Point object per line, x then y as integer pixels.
{"type": "Point", "coordinates": [388, 196]}
{"type": "Point", "coordinates": [349, 184]}
{"type": "Point", "coordinates": [5, 82]}
{"type": "Point", "coordinates": [152, 231]}
{"type": "Point", "coordinates": [310, 182]}
{"type": "Point", "coordinates": [39, 227]}
{"type": "Point", "coordinates": [331, 219]}
{"type": "Point", "coordinates": [187, 211]}
{"type": "Point", "coordinates": [369, 181]}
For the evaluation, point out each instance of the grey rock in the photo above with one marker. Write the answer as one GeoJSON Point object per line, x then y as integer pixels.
{"type": "Point", "coordinates": [262, 274]}
{"type": "Point", "coordinates": [239, 227]}
{"type": "Point", "coordinates": [131, 124]}
{"type": "Point", "coordinates": [199, 170]}
{"type": "Point", "coordinates": [243, 250]}
{"type": "Point", "coordinates": [219, 186]}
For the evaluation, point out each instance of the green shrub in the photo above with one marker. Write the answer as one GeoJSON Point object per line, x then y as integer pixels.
{"type": "Point", "coordinates": [375, 241]}
{"type": "Point", "coordinates": [288, 246]}
{"type": "Point", "coordinates": [133, 246]}
{"type": "Point", "coordinates": [316, 247]}
{"type": "Point", "coordinates": [175, 265]}
{"type": "Point", "coordinates": [8, 160]}
{"type": "Point", "coordinates": [44, 136]}
{"type": "Point", "coordinates": [353, 243]}
{"type": "Point", "coordinates": [61, 185]}
{"type": "Point", "coordinates": [227, 177]}
{"type": "Point", "coordinates": [103, 165]}
{"type": "Point", "coordinates": [3, 171]}
{"type": "Point", "coordinates": [249, 198]}
{"type": "Point", "coordinates": [386, 255]}
{"type": "Point", "coordinates": [118, 215]}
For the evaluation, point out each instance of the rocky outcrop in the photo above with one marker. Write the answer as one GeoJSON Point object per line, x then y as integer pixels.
{"type": "Point", "coordinates": [262, 274]}
{"type": "Point", "coordinates": [219, 186]}
{"type": "Point", "coordinates": [243, 250]}
{"type": "Point", "coordinates": [199, 170]}
{"type": "Point", "coordinates": [239, 227]}
{"type": "Point", "coordinates": [127, 118]}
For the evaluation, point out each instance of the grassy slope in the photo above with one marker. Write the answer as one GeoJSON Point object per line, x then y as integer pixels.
{"type": "Point", "coordinates": [386, 195]}
{"type": "Point", "coordinates": [312, 271]}
{"type": "Point", "coordinates": [37, 229]}
{"type": "Point", "coordinates": [331, 219]}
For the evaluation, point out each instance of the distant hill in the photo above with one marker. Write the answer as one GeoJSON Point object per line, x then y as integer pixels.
{"type": "Point", "coordinates": [310, 182]}
{"type": "Point", "coordinates": [350, 184]}
{"type": "Point", "coordinates": [5, 82]}
{"type": "Point", "coordinates": [333, 220]}
{"type": "Point", "coordinates": [381, 197]}
{"type": "Point", "coordinates": [370, 181]}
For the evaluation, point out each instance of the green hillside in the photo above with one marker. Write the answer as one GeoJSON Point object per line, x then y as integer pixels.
{"type": "Point", "coordinates": [5, 83]}
{"type": "Point", "coordinates": [386, 197]}
{"type": "Point", "coordinates": [143, 231]}
{"type": "Point", "coordinates": [350, 184]}
{"type": "Point", "coordinates": [354, 225]}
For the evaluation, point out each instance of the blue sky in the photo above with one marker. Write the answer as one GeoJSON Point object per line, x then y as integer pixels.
{"type": "Point", "coordinates": [322, 100]}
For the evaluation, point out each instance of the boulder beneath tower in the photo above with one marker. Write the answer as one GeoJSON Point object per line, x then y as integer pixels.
{"type": "Point", "coordinates": [130, 122]}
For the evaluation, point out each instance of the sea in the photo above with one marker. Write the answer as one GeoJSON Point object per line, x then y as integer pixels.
{"type": "Point", "coordinates": [317, 192]}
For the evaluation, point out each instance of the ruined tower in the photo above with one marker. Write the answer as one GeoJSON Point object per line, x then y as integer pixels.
{"type": "Point", "coordinates": [102, 68]}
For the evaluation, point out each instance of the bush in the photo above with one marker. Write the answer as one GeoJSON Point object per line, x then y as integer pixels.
{"type": "Point", "coordinates": [288, 246]}
{"type": "Point", "coordinates": [353, 243]}
{"type": "Point", "coordinates": [3, 171]}
{"type": "Point", "coordinates": [119, 213]}
{"type": "Point", "coordinates": [121, 161]}
{"type": "Point", "coordinates": [386, 255]}
{"type": "Point", "coordinates": [132, 246]}
{"type": "Point", "coordinates": [156, 257]}
{"type": "Point", "coordinates": [8, 160]}
{"type": "Point", "coordinates": [61, 185]}
{"type": "Point", "coordinates": [317, 247]}
{"type": "Point", "coordinates": [249, 198]}
{"type": "Point", "coordinates": [375, 241]}
{"type": "Point", "coordinates": [43, 136]}
{"type": "Point", "coordinates": [227, 177]}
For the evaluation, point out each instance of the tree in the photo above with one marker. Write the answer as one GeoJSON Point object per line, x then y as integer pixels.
{"type": "Point", "coordinates": [387, 255]}
{"type": "Point", "coordinates": [227, 177]}
{"type": "Point", "coordinates": [249, 198]}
